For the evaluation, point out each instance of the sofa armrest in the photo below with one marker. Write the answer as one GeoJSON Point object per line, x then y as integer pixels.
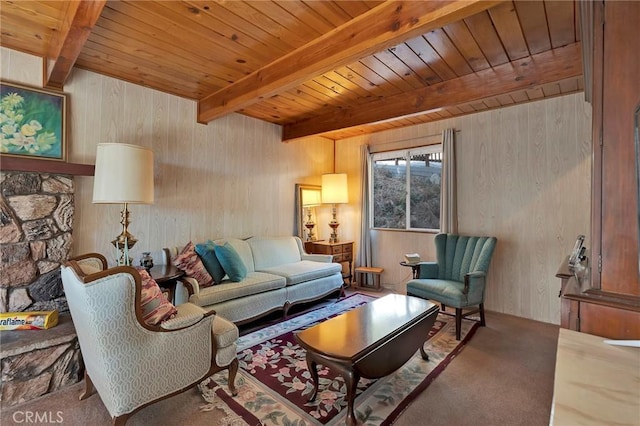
{"type": "Point", "coordinates": [324, 258]}
{"type": "Point", "coordinates": [428, 270]}
{"type": "Point", "coordinates": [188, 314]}
{"type": "Point", "coordinates": [191, 284]}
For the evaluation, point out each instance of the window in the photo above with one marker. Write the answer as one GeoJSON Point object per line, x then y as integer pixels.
{"type": "Point", "coordinates": [406, 188]}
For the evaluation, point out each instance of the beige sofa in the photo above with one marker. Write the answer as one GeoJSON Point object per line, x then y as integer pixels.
{"type": "Point", "coordinates": [279, 274]}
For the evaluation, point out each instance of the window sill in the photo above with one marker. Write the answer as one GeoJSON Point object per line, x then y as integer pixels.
{"type": "Point", "coordinates": [416, 231]}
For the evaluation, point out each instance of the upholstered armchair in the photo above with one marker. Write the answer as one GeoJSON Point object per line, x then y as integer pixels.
{"type": "Point", "coordinates": [129, 362]}
{"type": "Point", "coordinates": [458, 278]}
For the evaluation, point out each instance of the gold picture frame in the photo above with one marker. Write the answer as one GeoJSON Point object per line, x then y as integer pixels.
{"type": "Point", "coordinates": [32, 122]}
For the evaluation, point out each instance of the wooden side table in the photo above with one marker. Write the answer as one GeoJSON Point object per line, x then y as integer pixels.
{"type": "Point", "coordinates": [363, 282]}
{"type": "Point", "coordinates": [167, 277]}
{"type": "Point", "coordinates": [342, 253]}
{"type": "Point", "coordinates": [415, 268]}
{"type": "Point", "coordinates": [308, 246]}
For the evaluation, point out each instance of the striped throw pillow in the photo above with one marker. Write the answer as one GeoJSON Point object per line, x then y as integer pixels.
{"type": "Point", "coordinates": [189, 261]}
{"type": "Point", "coordinates": [155, 306]}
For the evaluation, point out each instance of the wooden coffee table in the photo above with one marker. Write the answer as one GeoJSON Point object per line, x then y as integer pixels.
{"type": "Point", "coordinates": [371, 341]}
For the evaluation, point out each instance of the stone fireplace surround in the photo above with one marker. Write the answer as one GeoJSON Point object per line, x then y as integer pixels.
{"type": "Point", "coordinates": [36, 220]}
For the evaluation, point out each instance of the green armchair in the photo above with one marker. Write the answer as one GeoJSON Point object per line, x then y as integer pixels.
{"type": "Point", "coordinates": [458, 278]}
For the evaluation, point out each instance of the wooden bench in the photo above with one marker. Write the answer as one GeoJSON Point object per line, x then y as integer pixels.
{"type": "Point", "coordinates": [362, 271]}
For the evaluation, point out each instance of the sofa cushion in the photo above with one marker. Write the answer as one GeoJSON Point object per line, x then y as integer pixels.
{"type": "Point", "coordinates": [189, 261]}
{"type": "Point", "coordinates": [254, 282]}
{"type": "Point", "coordinates": [231, 262]}
{"type": "Point", "coordinates": [304, 270]}
{"type": "Point", "coordinates": [188, 314]}
{"type": "Point", "coordinates": [269, 252]}
{"type": "Point", "coordinates": [207, 254]}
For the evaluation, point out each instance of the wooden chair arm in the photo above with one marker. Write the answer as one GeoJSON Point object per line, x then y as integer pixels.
{"type": "Point", "coordinates": [98, 256]}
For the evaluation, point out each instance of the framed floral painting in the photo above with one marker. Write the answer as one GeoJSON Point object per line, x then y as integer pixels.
{"type": "Point", "coordinates": [32, 122]}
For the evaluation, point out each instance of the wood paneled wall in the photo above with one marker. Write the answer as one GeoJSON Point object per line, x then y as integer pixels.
{"type": "Point", "coordinates": [231, 178]}
{"type": "Point", "coordinates": [524, 176]}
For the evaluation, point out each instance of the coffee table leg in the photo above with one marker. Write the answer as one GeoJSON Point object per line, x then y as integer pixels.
{"type": "Point", "coordinates": [351, 379]}
{"type": "Point", "coordinates": [312, 367]}
{"type": "Point", "coordinates": [424, 355]}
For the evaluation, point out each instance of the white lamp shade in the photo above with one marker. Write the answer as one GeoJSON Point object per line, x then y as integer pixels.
{"type": "Point", "coordinates": [311, 197]}
{"type": "Point", "coordinates": [123, 174]}
{"type": "Point", "coordinates": [334, 188]}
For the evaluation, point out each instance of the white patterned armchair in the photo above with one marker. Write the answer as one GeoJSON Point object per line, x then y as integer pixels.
{"type": "Point", "coordinates": [130, 363]}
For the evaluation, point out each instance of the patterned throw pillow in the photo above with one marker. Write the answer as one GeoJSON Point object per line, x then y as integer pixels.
{"type": "Point", "coordinates": [155, 307]}
{"type": "Point", "coordinates": [189, 261]}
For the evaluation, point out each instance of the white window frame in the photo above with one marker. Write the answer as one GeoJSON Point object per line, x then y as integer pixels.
{"type": "Point", "coordinates": [406, 153]}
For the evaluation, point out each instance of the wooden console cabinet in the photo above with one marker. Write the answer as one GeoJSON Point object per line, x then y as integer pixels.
{"type": "Point", "coordinates": [593, 311]}
{"type": "Point", "coordinates": [342, 253]}
{"type": "Point", "coordinates": [608, 304]}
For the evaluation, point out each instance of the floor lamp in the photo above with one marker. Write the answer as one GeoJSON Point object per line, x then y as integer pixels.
{"type": "Point", "coordinates": [334, 191]}
{"type": "Point", "coordinates": [123, 175]}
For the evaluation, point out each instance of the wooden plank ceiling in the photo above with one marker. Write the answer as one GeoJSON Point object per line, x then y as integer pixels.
{"type": "Point", "coordinates": [330, 68]}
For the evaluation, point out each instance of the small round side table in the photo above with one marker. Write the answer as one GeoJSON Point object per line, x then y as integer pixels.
{"type": "Point", "coordinates": [415, 268]}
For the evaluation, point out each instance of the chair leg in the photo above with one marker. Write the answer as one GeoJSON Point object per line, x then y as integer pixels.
{"type": "Point", "coordinates": [233, 370]}
{"type": "Point", "coordinates": [89, 389]}
{"type": "Point", "coordinates": [443, 307]}
{"type": "Point", "coordinates": [482, 322]}
{"type": "Point", "coordinates": [121, 420]}
{"type": "Point", "coordinates": [458, 322]}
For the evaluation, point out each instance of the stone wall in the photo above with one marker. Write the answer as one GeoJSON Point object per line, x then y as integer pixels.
{"type": "Point", "coordinates": [37, 362]}
{"type": "Point", "coordinates": [36, 220]}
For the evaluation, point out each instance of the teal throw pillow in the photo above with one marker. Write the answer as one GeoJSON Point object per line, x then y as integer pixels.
{"type": "Point", "coordinates": [207, 254]}
{"type": "Point", "coordinates": [231, 262]}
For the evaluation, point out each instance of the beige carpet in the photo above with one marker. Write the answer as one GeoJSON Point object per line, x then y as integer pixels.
{"type": "Point", "coordinates": [503, 376]}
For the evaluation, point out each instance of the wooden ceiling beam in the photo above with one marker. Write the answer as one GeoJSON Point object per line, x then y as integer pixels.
{"type": "Point", "coordinates": [526, 73]}
{"type": "Point", "coordinates": [75, 26]}
{"type": "Point", "coordinates": [382, 27]}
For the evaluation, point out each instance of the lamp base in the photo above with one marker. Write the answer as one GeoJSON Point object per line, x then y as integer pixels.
{"type": "Point", "coordinates": [333, 238]}
{"type": "Point", "coordinates": [125, 241]}
{"type": "Point", "coordinates": [310, 235]}
{"type": "Point", "coordinates": [310, 225]}
{"type": "Point", "coordinates": [123, 244]}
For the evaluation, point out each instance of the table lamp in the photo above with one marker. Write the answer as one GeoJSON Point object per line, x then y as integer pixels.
{"type": "Point", "coordinates": [334, 191]}
{"type": "Point", "coordinates": [310, 199]}
{"type": "Point", "coordinates": [123, 175]}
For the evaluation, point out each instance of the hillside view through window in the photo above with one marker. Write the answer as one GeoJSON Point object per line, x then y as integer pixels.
{"type": "Point", "coordinates": [406, 188]}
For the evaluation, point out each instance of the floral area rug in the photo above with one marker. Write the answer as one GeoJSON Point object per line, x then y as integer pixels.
{"type": "Point", "coordinates": [274, 384]}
